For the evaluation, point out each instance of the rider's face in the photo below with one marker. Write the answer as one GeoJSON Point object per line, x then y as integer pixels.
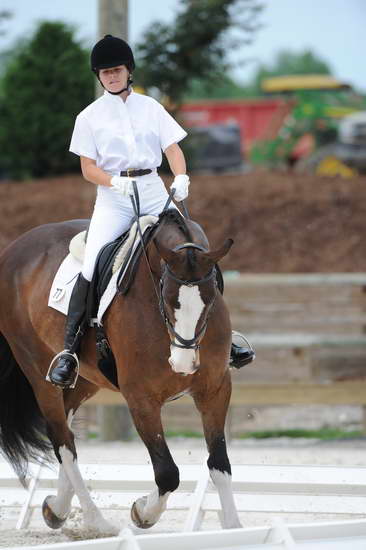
{"type": "Point", "coordinates": [114, 78]}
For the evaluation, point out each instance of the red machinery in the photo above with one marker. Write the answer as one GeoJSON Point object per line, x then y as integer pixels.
{"type": "Point", "coordinates": [254, 117]}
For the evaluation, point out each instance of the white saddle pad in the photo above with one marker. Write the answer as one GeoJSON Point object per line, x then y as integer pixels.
{"type": "Point", "coordinates": [71, 266]}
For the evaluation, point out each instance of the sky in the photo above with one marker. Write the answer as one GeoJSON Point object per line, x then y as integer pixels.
{"type": "Point", "coordinates": [333, 29]}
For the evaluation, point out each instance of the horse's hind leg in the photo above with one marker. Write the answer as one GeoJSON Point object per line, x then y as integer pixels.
{"type": "Point", "coordinates": [56, 509]}
{"type": "Point", "coordinates": [213, 409]}
{"type": "Point", "coordinates": [146, 511]}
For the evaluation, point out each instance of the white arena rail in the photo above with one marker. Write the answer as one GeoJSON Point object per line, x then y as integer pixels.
{"type": "Point", "coordinates": [310, 536]}
{"type": "Point", "coordinates": [271, 489]}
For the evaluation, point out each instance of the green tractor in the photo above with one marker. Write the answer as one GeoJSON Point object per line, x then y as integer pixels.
{"type": "Point", "coordinates": [305, 133]}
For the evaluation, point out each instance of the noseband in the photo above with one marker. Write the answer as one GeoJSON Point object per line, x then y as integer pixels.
{"type": "Point", "coordinates": [193, 343]}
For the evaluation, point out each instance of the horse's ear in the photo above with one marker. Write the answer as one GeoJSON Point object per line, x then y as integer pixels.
{"type": "Point", "coordinates": [216, 255]}
{"type": "Point", "coordinates": [166, 253]}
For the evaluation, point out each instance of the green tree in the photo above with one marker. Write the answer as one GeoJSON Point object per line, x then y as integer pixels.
{"type": "Point", "coordinates": [224, 88]}
{"type": "Point", "coordinates": [4, 15]}
{"type": "Point", "coordinates": [4, 55]}
{"type": "Point", "coordinates": [173, 57]}
{"type": "Point", "coordinates": [44, 86]}
{"type": "Point", "coordinates": [290, 63]}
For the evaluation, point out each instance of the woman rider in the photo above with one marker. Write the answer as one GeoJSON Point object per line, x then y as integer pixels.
{"type": "Point", "coordinates": [120, 135]}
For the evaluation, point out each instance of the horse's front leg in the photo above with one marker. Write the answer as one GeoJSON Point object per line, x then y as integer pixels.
{"type": "Point", "coordinates": [146, 511]}
{"type": "Point", "coordinates": [213, 409]}
{"type": "Point", "coordinates": [56, 508]}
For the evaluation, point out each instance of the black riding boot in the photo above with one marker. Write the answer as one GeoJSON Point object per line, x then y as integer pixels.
{"type": "Point", "coordinates": [63, 374]}
{"type": "Point", "coordinates": [241, 352]}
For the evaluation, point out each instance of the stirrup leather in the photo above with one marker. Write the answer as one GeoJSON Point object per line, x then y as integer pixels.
{"type": "Point", "coordinates": [76, 371]}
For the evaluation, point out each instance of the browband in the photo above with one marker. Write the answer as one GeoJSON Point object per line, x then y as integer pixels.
{"type": "Point", "coordinates": [189, 245]}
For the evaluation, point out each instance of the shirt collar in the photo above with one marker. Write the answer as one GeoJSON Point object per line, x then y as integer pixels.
{"type": "Point", "coordinates": [115, 98]}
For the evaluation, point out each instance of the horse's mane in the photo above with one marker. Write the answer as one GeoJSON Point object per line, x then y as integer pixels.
{"type": "Point", "coordinates": [173, 216]}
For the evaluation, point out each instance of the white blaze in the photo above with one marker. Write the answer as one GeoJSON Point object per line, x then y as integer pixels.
{"type": "Point", "coordinates": [186, 319]}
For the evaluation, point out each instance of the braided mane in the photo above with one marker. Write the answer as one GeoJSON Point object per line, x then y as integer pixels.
{"type": "Point", "coordinates": [173, 216]}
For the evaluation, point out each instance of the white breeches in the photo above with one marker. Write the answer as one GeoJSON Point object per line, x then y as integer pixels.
{"type": "Point", "coordinates": [113, 215]}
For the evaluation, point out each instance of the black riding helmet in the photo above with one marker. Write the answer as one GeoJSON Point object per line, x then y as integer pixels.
{"type": "Point", "coordinates": [111, 51]}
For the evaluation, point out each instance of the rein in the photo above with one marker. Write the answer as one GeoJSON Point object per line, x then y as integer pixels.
{"type": "Point", "coordinates": [193, 343]}
{"type": "Point", "coordinates": [136, 208]}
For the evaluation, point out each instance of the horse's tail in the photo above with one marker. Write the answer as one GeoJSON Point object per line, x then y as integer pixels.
{"type": "Point", "coordinates": [23, 434]}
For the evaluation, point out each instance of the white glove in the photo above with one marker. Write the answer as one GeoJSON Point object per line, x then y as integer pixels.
{"type": "Point", "coordinates": [181, 184]}
{"type": "Point", "coordinates": [122, 185]}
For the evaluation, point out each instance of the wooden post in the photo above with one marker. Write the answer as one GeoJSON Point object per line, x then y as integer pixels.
{"type": "Point", "coordinates": [112, 19]}
{"type": "Point", "coordinates": [115, 421]}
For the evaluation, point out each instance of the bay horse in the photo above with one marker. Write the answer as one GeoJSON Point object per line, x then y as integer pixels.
{"type": "Point", "coordinates": [180, 345]}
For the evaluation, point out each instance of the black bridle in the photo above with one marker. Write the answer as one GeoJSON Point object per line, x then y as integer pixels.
{"type": "Point", "coordinates": [192, 343]}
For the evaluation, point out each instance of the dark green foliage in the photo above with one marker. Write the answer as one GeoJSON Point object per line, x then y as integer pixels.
{"type": "Point", "coordinates": [4, 15]}
{"type": "Point", "coordinates": [325, 434]}
{"type": "Point", "coordinates": [285, 63]}
{"type": "Point", "coordinates": [4, 55]}
{"type": "Point", "coordinates": [225, 88]}
{"type": "Point", "coordinates": [321, 433]}
{"type": "Point", "coordinates": [289, 63]}
{"type": "Point", "coordinates": [195, 46]}
{"type": "Point", "coordinates": [45, 85]}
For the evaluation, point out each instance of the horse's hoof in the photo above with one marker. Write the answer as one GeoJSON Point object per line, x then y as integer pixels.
{"type": "Point", "coordinates": [50, 517]}
{"type": "Point", "coordinates": [137, 519]}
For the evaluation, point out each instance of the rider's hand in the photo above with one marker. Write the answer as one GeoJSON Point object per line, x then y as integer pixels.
{"type": "Point", "coordinates": [122, 185]}
{"type": "Point", "coordinates": [180, 184]}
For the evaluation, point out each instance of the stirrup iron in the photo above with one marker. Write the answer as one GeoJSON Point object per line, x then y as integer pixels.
{"type": "Point", "coordinates": [240, 335]}
{"type": "Point", "coordinates": [242, 352]}
{"type": "Point", "coordinates": [76, 370]}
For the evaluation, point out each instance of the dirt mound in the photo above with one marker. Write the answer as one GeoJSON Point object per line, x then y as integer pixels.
{"type": "Point", "coordinates": [279, 222]}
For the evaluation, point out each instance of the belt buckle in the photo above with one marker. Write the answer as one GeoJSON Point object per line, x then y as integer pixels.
{"type": "Point", "coordinates": [128, 172]}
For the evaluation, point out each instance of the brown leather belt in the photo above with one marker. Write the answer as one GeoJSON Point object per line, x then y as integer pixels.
{"type": "Point", "coordinates": [131, 173]}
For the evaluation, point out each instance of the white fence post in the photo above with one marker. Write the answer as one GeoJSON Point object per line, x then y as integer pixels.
{"type": "Point", "coordinates": [26, 511]}
{"type": "Point", "coordinates": [196, 513]}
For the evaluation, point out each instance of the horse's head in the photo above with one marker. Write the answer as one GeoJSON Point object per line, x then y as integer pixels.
{"type": "Point", "coordinates": [188, 290]}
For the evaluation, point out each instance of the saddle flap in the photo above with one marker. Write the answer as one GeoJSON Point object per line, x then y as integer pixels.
{"type": "Point", "coordinates": [113, 265]}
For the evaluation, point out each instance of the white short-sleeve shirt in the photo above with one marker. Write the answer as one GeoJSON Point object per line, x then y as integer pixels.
{"type": "Point", "coordinates": [120, 135]}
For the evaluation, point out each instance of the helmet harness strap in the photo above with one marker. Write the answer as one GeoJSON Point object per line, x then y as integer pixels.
{"type": "Point", "coordinates": [129, 82]}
